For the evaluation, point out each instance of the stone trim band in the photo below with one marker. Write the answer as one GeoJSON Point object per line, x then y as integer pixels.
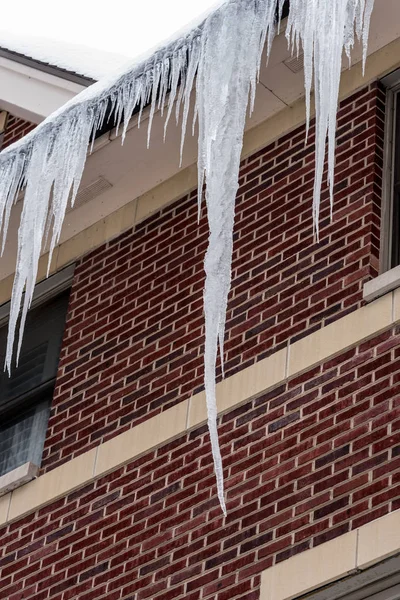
{"type": "Point", "coordinates": [300, 356]}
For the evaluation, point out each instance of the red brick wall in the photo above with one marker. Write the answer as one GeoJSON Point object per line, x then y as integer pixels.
{"type": "Point", "coordinates": [15, 129]}
{"type": "Point", "coordinates": [309, 461]}
{"type": "Point", "coordinates": [134, 338]}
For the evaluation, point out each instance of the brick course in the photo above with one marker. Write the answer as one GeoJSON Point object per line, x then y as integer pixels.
{"type": "Point", "coordinates": [306, 462]}
{"type": "Point", "coordinates": [134, 337]}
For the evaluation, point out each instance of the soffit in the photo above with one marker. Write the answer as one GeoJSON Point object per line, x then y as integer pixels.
{"type": "Point", "coordinates": [33, 94]}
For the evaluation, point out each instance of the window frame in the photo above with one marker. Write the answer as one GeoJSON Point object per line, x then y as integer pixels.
{"type": "Point", "coordinates": [390, 229]}
{"type": "Point", "coordinates": [45, 291]}
{"type": "Point", "coordinates": [380, 581]}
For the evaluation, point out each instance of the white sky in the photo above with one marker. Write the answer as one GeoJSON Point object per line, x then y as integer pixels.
{"type": "Point", "coordinates": [126, 27]}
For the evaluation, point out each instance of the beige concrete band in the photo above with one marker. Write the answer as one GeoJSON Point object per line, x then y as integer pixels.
{"type": "Point", "coordinates": [254, 380]}
{"type": "Point", "coordinates": [333, 560]}
{"type": "Point", "coordinates": [379, 64]}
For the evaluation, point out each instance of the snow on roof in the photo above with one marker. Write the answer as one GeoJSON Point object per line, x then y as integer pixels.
{"type": "Point", "coordinates": [75, 58]}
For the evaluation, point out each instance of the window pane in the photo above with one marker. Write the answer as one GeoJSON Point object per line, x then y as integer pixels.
{"type": "Point", "coordinates": [40, 350]}
{"type": "Point", "coordinates": [395, 216]}
{"type": "Point", "coordinates": [22, 437]}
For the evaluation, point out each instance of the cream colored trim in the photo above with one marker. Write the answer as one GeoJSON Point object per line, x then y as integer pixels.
{"type": "Point", "coordinates": [156, 431]}
{"type": "Point", "coordinates": [3, 120]}
{"type": "Point", "coordinates": [378, 64]}
{"type": "Point", "coordinates": [4, 508]}
{"type": "Point", "coordinates": [52, 485]}
{"type": "Point", "coordinates": [32, 94]}
{"type": "Point", "coordinates": [267, 373]}
{"type": "Point", "coordinates": [95, 463]}
{"type": "Point", "coordinates": [243, 385]}
{"type": "Point", "coordinates": [300, 356]}
{"type": "Point", "coordinates": [388, 281]}
{"type": "Point", "coordinates": [310, 569]}
{"type": "Point", "coordinates": [341, 334]}
{"type": "Point", "coordinates": [396, 305]}
{"type": "Point", "coordinates": [378, 540]}
{"type": "Point", "coordinates": [357, 550]}
{"type": "Point", "coordinates": [180, 184]}
{"type": "Point", "coordinates": [17, 477]}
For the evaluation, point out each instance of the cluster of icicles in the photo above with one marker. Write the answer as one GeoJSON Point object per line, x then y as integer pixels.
{"type": "Point", "coordinates": [219, 59]}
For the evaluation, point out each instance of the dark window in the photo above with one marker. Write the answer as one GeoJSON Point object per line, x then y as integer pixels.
{"type": "Point", "coordinates": [25, 397]}
{"type": "Point", "coordinates": [390, 216]}
{"type": "Point", "coordinates": [394, 252]}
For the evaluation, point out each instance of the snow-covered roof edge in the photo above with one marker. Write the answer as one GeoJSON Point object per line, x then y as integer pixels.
{"type": "Point", "coordinates": [67, 57]}
{"type": "Point", "coordinates": [45, 67]}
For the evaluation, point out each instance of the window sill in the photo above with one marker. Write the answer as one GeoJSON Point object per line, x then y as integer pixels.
{"type": "Point", "coordinates": [387, 282]}
{"type": "Point", "coordinates": [13, 479]}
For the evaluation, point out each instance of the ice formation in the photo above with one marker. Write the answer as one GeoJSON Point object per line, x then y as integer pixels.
{"type": "Point", "coordinates": [324, 29]}
{"type": "Point", "coordinates": [219, 57]}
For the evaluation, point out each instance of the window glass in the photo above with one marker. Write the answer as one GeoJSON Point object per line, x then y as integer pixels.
{"type": "Point", "coordinates": [22, 437]}
{"type": "Point", "coordinates": [39, 353]}
{"type": "Point", "coordinates": [25, 397]}
{"type": "Point", "coordinates": [395, 212]}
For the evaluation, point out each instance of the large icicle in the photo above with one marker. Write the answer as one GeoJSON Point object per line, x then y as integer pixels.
{"type": "Point", "coordinates": [223, 50]}
{"type": "Point", "coordinates": [230, 54]}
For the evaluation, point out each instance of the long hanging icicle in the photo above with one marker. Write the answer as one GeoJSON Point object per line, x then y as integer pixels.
{"type": "Point", "coordinates": [230, 54]}
{"type": "Point", "coordinates": [220, 57]}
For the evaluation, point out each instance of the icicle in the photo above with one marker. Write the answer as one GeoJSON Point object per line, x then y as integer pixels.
{"type": "Point", "coordinates": [224, 52]}
{"type": "Point", "coordinates": [154, 88]}
{"type": "Point", "coordinates": [365, 30]}
{"type": "Point", "coordinates": [324, 30]}
{"type": "Point", "coordinates": [193, 64]}
{"type": "Point", "coordinates": [174, 81]}
{"type": "Point", "coordinates": [228, 64]}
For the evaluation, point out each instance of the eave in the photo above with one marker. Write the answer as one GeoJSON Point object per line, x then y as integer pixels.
{"type": "Point", "coordinates": [32, 90]}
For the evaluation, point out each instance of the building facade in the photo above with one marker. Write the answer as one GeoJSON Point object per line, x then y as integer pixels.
{"type": "Point", "coordinates": [123, 504]}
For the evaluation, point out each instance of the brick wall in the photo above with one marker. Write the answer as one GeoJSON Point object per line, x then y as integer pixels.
{"type": "Point", "coordinates": [15, 129]}
{"type": "Point", "coordinates": [134, 337]}
{"type": "Point", "coordinates": [304, 463]}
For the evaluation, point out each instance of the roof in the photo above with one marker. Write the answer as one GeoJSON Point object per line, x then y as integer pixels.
{"type": "Point", "coordinates": [66, 57]}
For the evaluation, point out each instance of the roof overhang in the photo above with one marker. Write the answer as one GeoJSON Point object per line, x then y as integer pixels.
{"type": "Point", "coordinates": [32, 90]}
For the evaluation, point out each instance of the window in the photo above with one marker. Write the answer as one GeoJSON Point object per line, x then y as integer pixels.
{"type": "Point", "coordinates": [389, 267]}
{"type": "Point", "coordinates": [379, 582]}
{"type": "Point", "coordinates": [395, 184]}
{"type": "Point", "coordinates": [25, 397]}
{"type": "Point", "coordinates": [390, 241]}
